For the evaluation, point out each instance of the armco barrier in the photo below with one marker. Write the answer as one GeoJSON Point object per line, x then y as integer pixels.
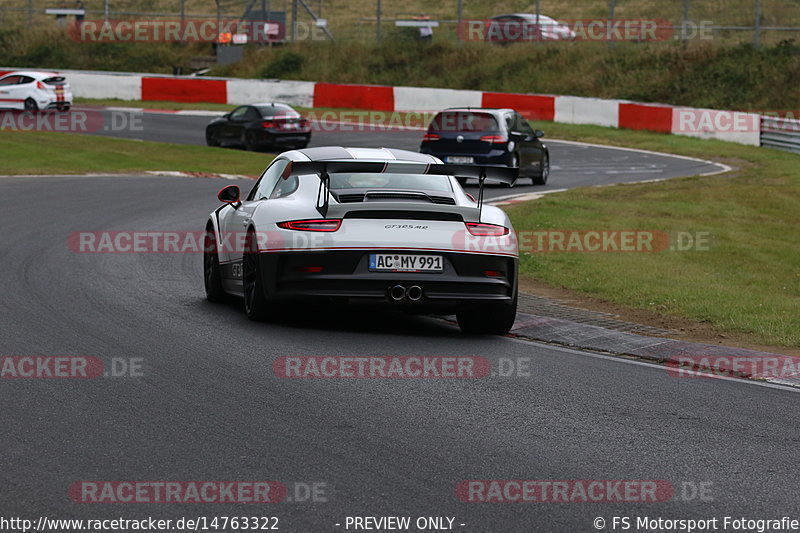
{"type": "Point", "coordinates": [297, 93]}
{"type": "Point", "coordinates": [738, 127]}
{"type": "Point", "coordinates": [372, 97]}
{"type": "Point", "coordinates": [185, 90]}
{"type": "Point", "coordinates": [531, 106]}
{"type": "Point", "coordinates": [645, 117]}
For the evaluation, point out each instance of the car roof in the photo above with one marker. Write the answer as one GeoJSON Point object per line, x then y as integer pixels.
{"type": "Point", "coordinates": [270, 104]}
{"type": "Point", "coordinates": [341, 153]}
{"type": "Point", "coordinates": [31, 73]}
{"type": "Point", "coordinates": [524, 16]}
{"type": "Point", "coordinates": [491, 110]}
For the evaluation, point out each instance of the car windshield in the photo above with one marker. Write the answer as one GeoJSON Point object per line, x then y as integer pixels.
{"type": "Point", "coordinates": [410, 182]}
{"type": "Point", "coordinates": [463, 121]}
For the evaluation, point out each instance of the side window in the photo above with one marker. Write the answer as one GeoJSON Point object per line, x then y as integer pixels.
{"type": "Point", "coordinates": [510, 126]}
{"type": "Point", "coordinates": [523, 125]}
{"type": "Point", "coordinates": [252, 114]}
{"type": "Point", "coordinates": [285, 187]}
{"type": "Point", "coordinates": [10, 80]}
{"type": "Point", "coordinates": [269, 178]}
{"type": "Point", "coordinates": [239, 113]}
{"type": "Point", "coordinates": [25, 79]}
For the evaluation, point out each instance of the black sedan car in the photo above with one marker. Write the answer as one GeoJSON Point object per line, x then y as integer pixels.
{"type": "Point", "coordinates": [260, 126]}
{"type": "Point", "coordinates": [484, 136]}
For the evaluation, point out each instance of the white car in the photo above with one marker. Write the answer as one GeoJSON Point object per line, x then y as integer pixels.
{"type": "Point", "coordinates": [525, 26]}
{"type": "Point", "coordinates": [34, 91]}
{"type": "Point", "coordinates": [378, 224]}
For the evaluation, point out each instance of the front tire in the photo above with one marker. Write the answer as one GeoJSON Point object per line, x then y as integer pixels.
{"type": "Point", "coordinates": [488, 318]}
{"type": "Point", "coordinates": [541, 179]}
{"type": "Point", "coordinates": [211, 271]}
{"type": "Point", "coordinates": [256, 305]}
{"type": "Point", "coordinates": [514, 164]}
{"type": "Point", "coordinates": [211, 139]}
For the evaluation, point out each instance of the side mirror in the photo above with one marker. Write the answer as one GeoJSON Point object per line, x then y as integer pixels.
{"type": "Point", "coordinates": [226, 116]}
{"type": "Point", "coordinates": [229, 194]}
{"type": "Point", "coordinates": [538, 133]}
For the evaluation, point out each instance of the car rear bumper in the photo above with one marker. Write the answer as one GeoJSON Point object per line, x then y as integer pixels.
{"type": "Point", "coordinates": [495, 157]}
{"type": "Point", "coordinates": [346, 274]}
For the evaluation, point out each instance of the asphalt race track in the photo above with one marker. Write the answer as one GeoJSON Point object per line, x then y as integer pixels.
{"type": "Point", "coordinates": [208, 405]}
{"type": "Point", "coordinates": [573, 165]}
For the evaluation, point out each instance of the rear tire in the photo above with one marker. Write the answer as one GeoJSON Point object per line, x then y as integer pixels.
{"type": "Point", "coordinates": [488, 318]}
{"type": "Point", "coordinates": [256, 305]}
{"type": "Point", "coordinates": [541, 179]}
{"type": "Point", "coordinates": [31, 105]}
{"type": "Point", "coordinates": [250, 143]}
{"type": "Point", "coordinates": [514, 164]}
{"type": "Point", "coordinates": [211, 269]}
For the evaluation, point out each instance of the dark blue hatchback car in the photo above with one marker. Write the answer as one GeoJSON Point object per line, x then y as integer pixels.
{"type": "Point", "coordinates": [484, 136]}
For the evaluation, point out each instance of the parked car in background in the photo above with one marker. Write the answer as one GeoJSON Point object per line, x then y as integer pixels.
{"type": "Point", "coordinates": [259, 126]}
{"type": "Point", "coordinates": [34, 91]}
{"type": "Point", "coordinates": [482, 136]}
{"type": "Point", "coordinates": [524, 27]}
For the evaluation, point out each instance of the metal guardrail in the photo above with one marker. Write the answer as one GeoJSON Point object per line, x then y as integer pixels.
{"type": "Point", "coordinates": [780, 133]}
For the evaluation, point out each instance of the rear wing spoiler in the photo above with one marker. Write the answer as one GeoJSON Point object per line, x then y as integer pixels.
{"type": "Point", "coordinates": [324, 169]}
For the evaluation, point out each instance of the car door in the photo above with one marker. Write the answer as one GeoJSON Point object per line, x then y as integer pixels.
{"type": "Point", "coordinates": [235, 221]}
{"type": "Point", "coordinates": [231, 128]}
{"type": "Point", "coordinates": [530, 149]}
{"type": "Point", "coordinates": [9, 93]}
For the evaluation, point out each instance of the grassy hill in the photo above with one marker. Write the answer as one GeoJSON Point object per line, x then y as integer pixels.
{"type": "Point", "coordinates": [724, 72]}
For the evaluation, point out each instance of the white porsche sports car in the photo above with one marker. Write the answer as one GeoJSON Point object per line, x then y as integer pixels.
{"type": "Point", "coordinates": [33, 91]}
{"type": "Point", "coordinates": [366, 224]}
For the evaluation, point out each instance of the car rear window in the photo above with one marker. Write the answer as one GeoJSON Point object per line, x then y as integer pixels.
{"type": "Point", "coordinates": [283, 111]}
{"type": "Point", "coordinates": [406, 182]}
{"type": "Point", "coordinates": [463, 121]}
{"type": "Point", "coordinates": [56, 80]}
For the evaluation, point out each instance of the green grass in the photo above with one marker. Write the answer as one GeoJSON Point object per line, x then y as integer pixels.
{"type": "Point", "coordinates": [748, 281]}
{"type": "Point", "coordinates": [58, 153]}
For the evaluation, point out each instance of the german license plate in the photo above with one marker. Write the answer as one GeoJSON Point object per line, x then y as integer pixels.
{"type": "Point", "coordinates": [405, 263]}
{"type": "Point", "coordinates": [459, 159]}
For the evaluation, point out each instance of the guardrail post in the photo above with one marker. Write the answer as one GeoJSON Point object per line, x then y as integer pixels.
{"type": "Point", "coordinates": [378, 21]}
{"type": "Point", "coordinates": [757, 29]}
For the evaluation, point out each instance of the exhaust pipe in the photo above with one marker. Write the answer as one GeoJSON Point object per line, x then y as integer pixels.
{"type": "Point", "coordinates": [414, 293]}
{"type": "Point", "coordinates": [397, 293]}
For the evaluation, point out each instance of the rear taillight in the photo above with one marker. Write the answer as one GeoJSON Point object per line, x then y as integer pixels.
{"type": "Point", "coordinates": [494, 139]}
{"type": "Point", "coordinates": [268, 124]}
{"type": "Point", "coordinates": [304, 123]}
{"type": "Point", "coordinates": [322, 224]}
{"type": "Point", "coordinates": [486, 230]}
{"type": "Point", "coordinates": [431, 137]}
{"type": "Point", "coordinates": [40, 85]}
